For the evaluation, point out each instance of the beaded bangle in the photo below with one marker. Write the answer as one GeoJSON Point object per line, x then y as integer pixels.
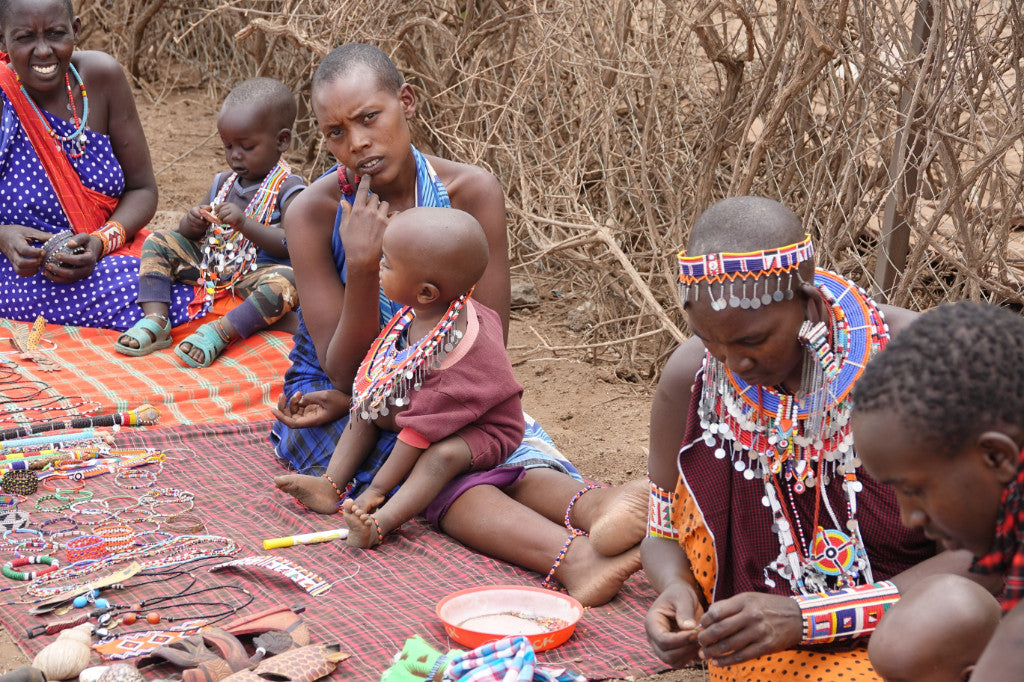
{"type": "Point", "coordinates": [85, 547]}
{"type": "Point", "coordinates": [659, 514]}
{"type": "Point", "coordinates": [116, 537]}
{"type": "Point", "coordinates": [185, 524]}
{"type": "Point", "coordinates": [151, 537]}
{"type": "Point", "coordinates": [113, 236]}
{"type": "Point", "coordinates": [9, 536]}
{"type": "Point", "coordinates": [133, 516]}
{"type": "Point", "coordinates": [847, 613]}
{"type": "Point", "coordinates": [22, 482]}
{"type": "Point", "coordinates": [60, 506]}
{"type": "Point", "coordinates": [47, 527]}
{"type": "Point", "coordinates": [8, 569]}
{"type": "Point", "coordinates": [13, 520]}
{"type": "Point", "coordinates": [73, 496]}
{"type": "Point", "coordinates": [117, 509]}
{"type": "Point", "coordinates": [51, 483]}
{"type": "Point", "coordinates": [9, 502]}
{"type": "Point", "coordinates": [122, 476]}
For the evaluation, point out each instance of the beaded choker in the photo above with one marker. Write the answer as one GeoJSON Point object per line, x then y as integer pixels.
{"type": "Point", "coordinates": [77, 137]}
{"type": "Point", "coordinates": [792, 443]}
{"type": "Point", "coordinates": [227, 254]}
{"type": "Point", "coordinates": [743, 280]}
{"type": "Point", "coordinates": [387, 373]}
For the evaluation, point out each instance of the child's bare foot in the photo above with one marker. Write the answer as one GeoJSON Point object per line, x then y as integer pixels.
{"type": "Point", "coordinates": [594, 578]}
{"type": "Point", "coordinates": [622, 522]}
{"type": "Point", "coordinates": [363, 531]}
{"type": "Point", "coordinates": [370, 500]}
{"type": "Point", "coordinates": [314, 492]}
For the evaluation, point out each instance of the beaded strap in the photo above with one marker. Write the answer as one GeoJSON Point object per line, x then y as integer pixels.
{"type": "Point", "coordinates": [847, 613]}
{"type": "Point", "coordinates": [659, 514]}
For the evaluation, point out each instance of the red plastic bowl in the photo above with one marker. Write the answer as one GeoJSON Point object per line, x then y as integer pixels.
{"type": "Point", "coordinates": [479, 615]}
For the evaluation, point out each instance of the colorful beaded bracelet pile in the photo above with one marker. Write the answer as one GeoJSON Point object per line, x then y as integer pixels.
{"type": "Point", "coordinates": [85, 547]}
{"type": "Point", "coordinates": [21, 482]}
{"type": "Point", "coordinates": [8, 569]}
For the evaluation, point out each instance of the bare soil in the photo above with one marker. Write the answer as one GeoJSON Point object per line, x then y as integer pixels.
{"type": "Point", "coordinates": [596, 419]}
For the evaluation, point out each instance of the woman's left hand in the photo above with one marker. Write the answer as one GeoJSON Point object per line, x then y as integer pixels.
{"type": "Point", "coordinates": [749, 625]}
{"type": "Point", "coordinates": [69, 267]}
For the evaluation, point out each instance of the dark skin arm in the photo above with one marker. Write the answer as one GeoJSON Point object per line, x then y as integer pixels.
{"type": "Point", "coordinates": [112, 112]}
{"type": "Point", "coordinates": [1003, 658]}
{"type": "Point", "coordinates": [266, 237]}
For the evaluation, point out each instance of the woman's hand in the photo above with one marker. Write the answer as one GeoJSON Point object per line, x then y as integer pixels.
{"type": "Point", "coordinates": [303, 410]}
{"type": "Point", "coordinates": [362, 228]}
{"type": "Point", "coordinates": [76, 261]}
{"type": "Point", "coordinates": [749, 625]}
{"type": "Point", "coordinates": [16, 242]}
{"type": "Point", "coordinates": [671, 624]}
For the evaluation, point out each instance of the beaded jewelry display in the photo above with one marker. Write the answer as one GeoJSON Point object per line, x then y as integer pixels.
{"type": "Point", "coordinates": [387, 374]}
{"type": "Point", "coordinates": [792, 443]}
{"type": "Point", "coordinates": [76, 139]}
{"type": "Point", "coordinates": [227, 254]}
{"type": "Point", "coordinates": [733, 279]}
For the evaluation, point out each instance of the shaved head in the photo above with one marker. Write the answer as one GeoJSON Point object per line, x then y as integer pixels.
{"type": "Point", "coordinates": [448, 246]}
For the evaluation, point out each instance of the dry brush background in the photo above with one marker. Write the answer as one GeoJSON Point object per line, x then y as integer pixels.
{"type": "Point", "coordinates": [612, 124]}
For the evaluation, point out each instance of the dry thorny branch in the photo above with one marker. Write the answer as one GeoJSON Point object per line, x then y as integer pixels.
{"type": "Point", "coordinates": [613, 124]}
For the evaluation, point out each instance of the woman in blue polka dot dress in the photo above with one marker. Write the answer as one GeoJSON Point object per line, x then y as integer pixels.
{"type": "Point", "coordinates": [73, 156]}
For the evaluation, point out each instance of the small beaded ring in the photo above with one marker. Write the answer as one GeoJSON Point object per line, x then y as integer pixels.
{"type": "Point", "coordinates": [20, 481]}
{"type": "Point", "coordinates": [85, 547]}
{"type": "Point", "coordinates": [8, 568]}
{"type": "Point", "coordinates": [183, 524]}
{"type": "Point", "coordinates": [59, 507]}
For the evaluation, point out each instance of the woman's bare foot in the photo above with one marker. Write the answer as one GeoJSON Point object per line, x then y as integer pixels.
{"type": "Point", "coordinates": [622, 523]}
{"type": "Point", "coordinates": [593, 578]}
{"type": "Point", "coordinates": [363, 531]}
{"type": "Point", "coordinates": [314, 492]}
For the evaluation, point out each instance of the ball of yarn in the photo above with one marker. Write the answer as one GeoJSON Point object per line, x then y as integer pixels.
{"type": "Point", "coordinates": [67, 655]}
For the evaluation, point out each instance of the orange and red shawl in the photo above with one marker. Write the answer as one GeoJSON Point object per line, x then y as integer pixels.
{"type": "Point", "coordinates": [85, 208]}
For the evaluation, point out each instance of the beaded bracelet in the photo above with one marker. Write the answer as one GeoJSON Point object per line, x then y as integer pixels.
{"type": "Point", "coordinates": [185, 524]}
{"type": "Point", "coordinates": [659, 514]}
{"type": "Point", "coordinates": [116, 537]}
{"type": "Point", "coordinates": [10, 536]}
{"type": "Point", "coordinates": [89, 508]}
{"type": "Point", "coordinates": [8, 569]}
{"type": "Point", "coordinates": [113, 236]}
{"type": "Point", "coordinates": [47, 527]}
{"type": "Point", "coordinates": [85, 547]}
{"type": "Point", "coordinates": [846, 613]}
{"type": "Point", "coordinates": [10, 502]}
{"type": "Point", "coordinates": [117, 509]}
{"type": "Point", "coordinates": [60, 506]}
{"type": "Point", "coordinates": [22, 482]}
{"type": "Point", "coordinates": [150, 538]}
{"type": "Point", "coordinates": [133, 516]}
{"type": "Point", "coordinates": [73, 496]}
{"type": "Point", "coordinates": [50, 483]}
{"type": "Point", "coordinates": [122, 476]}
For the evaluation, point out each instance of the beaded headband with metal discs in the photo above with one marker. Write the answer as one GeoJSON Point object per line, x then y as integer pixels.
{"type": "Point", "coordinates": [743, 280]}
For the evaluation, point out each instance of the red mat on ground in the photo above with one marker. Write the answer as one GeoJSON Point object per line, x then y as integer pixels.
{"type": "Point", "coordinates": [378, 598]}
{"type": "Point", "coordinates": [240, 386]}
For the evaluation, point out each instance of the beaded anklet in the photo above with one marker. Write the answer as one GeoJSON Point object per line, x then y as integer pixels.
{"type": "Point", "coordinates": [341, 494]}
{"type": "Point", "coordinates": [572, 503]}
{"type": "Point", "coordinates": [549, 579]}
{"type": "Point", "coordinates": [380, 533]}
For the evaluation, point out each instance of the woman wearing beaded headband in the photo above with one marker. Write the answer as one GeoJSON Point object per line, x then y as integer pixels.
{"type": "Point", "coordinates": [75, 174]}
{"type": "Point", "coordinates": [765, 535]}
{"type": "Point", "coordinates": [334, 231]}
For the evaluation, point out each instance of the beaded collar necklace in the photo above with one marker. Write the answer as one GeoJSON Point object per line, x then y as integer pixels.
{"type": "Point", "coordinates": [227, 254]}
{"type": "Point", "coordinates": [387, 373]}
{"type": "Point", "coordinates": [792, 443]}
{"type": "Point", "coordinates": [77, 137]}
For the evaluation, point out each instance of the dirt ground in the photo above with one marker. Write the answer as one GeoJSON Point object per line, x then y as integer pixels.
{"type": "Point", "coordinates": [597, 420]}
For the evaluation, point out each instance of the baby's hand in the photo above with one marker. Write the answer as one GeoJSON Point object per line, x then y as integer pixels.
{"type": "Point", "coordinates": [193, 224]}
{"type": "Point", "coordinates": [230, 215]}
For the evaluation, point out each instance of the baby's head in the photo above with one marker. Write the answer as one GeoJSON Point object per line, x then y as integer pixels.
{"type": "Point", "coordinates": [431, 256]}
{"type": "Point", "coordinates": [255, 125]}
{"type": "Point", "coordinates": [936, 632]}
{"type": "Point", "coordinates": [939, 415]}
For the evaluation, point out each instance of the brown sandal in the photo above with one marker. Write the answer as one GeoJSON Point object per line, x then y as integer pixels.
{"type": "Point", "coordinates": [305, 664]}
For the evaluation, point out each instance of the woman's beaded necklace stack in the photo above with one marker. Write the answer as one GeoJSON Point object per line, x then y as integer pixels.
{"type": "Point", "coordinates": [72, 144]}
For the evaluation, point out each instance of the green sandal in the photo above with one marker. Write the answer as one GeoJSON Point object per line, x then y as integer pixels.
{"type": "Point", "coordinates": [206, 339]}
{"type": "Point", "coordinates": [149, 334]}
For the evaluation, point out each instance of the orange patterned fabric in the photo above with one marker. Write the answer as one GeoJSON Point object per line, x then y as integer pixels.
{"type": "Point", "coordinates": [801, 664]}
